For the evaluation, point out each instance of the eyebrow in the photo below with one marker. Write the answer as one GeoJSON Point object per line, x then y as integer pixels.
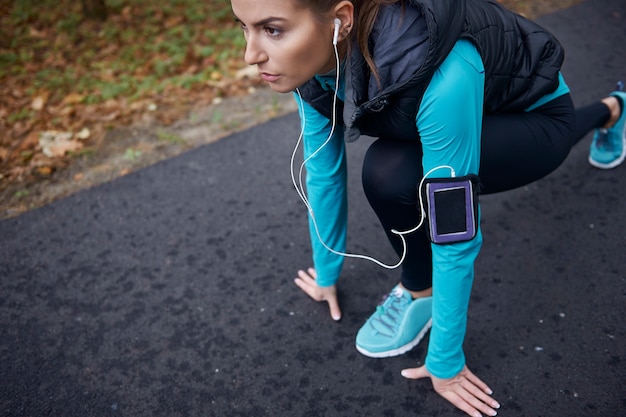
{"type": "Point", "coordinates": [265, 21]}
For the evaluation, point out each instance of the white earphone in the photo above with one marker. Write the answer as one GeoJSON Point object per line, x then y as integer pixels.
{"type": "Point", "coordinates": [299, 185]}
{"type": "Point", "coordinates": [337, 27]}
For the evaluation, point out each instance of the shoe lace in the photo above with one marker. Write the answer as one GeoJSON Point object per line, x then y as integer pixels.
{"type": "Point", "coordinates": [389, 313]}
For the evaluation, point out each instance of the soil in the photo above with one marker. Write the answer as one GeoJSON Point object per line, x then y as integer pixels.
{"type": "Point", "coordinates": [126, 149]}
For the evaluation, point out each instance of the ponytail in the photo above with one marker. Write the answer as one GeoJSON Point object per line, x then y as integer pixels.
{"type": "Point", "coordinates": [366, 14]}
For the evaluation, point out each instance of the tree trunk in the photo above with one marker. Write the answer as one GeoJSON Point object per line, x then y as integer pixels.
{"type": "Point", "coordinates": [94, 9]}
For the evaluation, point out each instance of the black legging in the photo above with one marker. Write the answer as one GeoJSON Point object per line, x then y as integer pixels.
{"type": "Point", "coordinates": [516, 149]}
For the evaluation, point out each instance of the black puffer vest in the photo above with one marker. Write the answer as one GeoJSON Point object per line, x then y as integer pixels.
{"type": "Point", "coordinates": [522, 61]}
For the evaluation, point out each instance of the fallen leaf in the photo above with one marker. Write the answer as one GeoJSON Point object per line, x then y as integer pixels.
{"type": "Point", "coordinates": [73, 98]}
{"type": "Point", "coordinates": [127, 12]}
{"type": "Point", "coordinates": [192, 69]}
{"type": "Point", "coordinates": [17, 93]}
{"type": "Point", "coordinates": [29, 142]}
{"type": "Point", "coordinates": [55, 144]}
{"type": "Point", "coordinates": [106, 117]}
{"type": "Point", "coordinates": [40, 101]}
{"type": "Point", "coordinates": [83, 134]}
{"type": "Point", "coordinates": [44, 171]}
{"type": "Point", "coordinates": [247, 72]}
{"type": "Point", "coordinates": [36, 33]}
{"type": "Point", "coordinates": [173, 21]}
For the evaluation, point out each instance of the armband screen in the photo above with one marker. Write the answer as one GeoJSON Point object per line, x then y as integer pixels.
{"type": "Point", "coordinates": [451, 208]}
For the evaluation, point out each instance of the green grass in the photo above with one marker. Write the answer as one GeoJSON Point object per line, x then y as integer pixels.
{"type": "Point", "coordinates": [172, 138]}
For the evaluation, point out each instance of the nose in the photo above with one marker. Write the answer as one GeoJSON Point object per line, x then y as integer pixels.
{"type": "Point", "coordinates": [254, 54]}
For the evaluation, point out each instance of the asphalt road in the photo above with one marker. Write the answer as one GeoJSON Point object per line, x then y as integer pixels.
{"type": "Point", "coordinates": [168, 292]}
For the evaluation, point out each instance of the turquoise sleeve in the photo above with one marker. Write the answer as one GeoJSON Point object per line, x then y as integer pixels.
{"type": "Point", "coordinates": [326, 191]}
{"type": "Point", "coordinates": [449, 122]}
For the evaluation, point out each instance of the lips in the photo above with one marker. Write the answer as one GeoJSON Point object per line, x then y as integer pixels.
{"type": "Point", "coordinates": [270, 78]}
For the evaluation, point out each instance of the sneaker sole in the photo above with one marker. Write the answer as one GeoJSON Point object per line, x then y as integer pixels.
{"type": "Point", "coordinates": [402, 349]}
{"type": "Point", "coordinates": [610, 165]}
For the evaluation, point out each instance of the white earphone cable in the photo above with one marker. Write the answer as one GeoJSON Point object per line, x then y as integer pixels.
{"type": "Point", "coordinates": [299, 186]}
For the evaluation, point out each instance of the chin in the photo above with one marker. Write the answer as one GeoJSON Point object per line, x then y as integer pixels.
{"type": "Point", "coordinates": [284, 86]}
{"type": "Point", "coordinates": [281, 88]}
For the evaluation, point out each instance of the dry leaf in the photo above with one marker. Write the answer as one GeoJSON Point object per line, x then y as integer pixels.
{"type": "Point", "coordinates": [83, 134]}
{"type": "Point", "coordinates": [38, 103]}
{"type": "Point", "coordinates": [247, 72]}
{"type": "Point", "coordinates": [173, 21]}
{"type": "Point", "coordinates": [36, 33]}
{"type": "Point", "coordinates": [106, 117]}
{"type": "Point", "coordinates": [45, 171]}
{"type": "Point", "coordinates": [192, 69]}
{"type": "Point", "coordinates": [127, 12]}
{"type": "Point", "coordinates": [73, 98]}
{"type": "Point", "coordinates": [55, 144]}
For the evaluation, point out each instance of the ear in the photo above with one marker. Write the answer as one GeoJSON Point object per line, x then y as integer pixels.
{"type": "Point", "coordinates": [344, 11]}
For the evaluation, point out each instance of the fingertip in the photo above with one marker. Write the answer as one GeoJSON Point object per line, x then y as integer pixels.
{"type": "Point", "coordinates": [408, 373]}
{"type": "Point", "coordinates": [415, 373]}
{"type": "Point", "coordinates": [335, 312]}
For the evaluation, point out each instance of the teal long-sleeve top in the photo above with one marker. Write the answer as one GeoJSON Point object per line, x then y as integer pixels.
{"type": "Point", "coordinates": [449, 122]}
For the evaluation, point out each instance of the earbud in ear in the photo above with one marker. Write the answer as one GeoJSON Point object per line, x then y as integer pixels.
{"type": "Point", "coordinates": [336, 34]}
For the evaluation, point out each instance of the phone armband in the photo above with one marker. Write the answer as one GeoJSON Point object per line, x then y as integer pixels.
{"type": "Point", "coordinates": [451, 206]}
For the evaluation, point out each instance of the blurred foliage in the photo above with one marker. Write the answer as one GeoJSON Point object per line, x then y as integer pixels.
{"type": "Point", "coordinates": [61, 71]}
{"type": "Point", "coordinates": [144, 46]}
{"type": "Point", "coordinates": [67, 79]}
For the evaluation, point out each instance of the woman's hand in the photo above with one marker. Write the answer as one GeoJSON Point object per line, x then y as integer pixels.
{"type": "Point", "coordinates": [465, 391]}
{"type": "Point", "coordinates": [306, 282]}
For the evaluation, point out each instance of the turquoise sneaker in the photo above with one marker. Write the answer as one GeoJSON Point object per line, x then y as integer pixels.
{"type": "Point", "coordinates": [396, 327]}
{"type": "Point", "coordinates": [608, 148]}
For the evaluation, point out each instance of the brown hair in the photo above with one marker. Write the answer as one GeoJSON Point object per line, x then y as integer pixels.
{"type": "Point", "coordinates": [365, 12]}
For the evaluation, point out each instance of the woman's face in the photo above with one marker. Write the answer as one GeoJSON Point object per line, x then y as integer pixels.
{"type": "Point", "coordinates": [288, 44]}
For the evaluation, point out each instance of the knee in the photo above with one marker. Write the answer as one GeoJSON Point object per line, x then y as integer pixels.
{"type": "Point", "coordinates": [390, 174]}
{"type": "Point", "coordinates": [378, 183]}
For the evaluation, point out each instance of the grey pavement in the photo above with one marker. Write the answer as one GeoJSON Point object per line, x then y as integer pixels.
{"type": "Point", "coordinates": [168, 292]}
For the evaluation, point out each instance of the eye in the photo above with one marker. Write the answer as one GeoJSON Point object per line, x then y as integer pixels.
{"type": "Point", "coordinates": [241, 25]}
{"type": "Point", "coordinates": [273, 32]}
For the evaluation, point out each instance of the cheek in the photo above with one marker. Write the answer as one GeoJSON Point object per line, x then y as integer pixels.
{"type": "Point", "coordinates": [310, 57]}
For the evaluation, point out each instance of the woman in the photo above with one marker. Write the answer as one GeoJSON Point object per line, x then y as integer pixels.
{"type": "Point", "coordinates": [452, 89]}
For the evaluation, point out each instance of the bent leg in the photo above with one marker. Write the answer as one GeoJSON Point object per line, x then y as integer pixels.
{"type": "Point", "coordinates": [392, 171]}
{"type": "Point", "coordinates": [519, 148]}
